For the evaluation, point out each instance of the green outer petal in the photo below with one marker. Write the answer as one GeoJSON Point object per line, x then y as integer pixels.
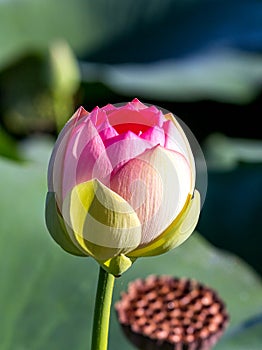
{"type": "Point", "coordinates": [101, 221]}
{"type": "Point", "coordinates": [56, 227]}
{"type": "Point", "coordinates": [117, 265]}
{"type": "Point", "coordinates": [176, 233]}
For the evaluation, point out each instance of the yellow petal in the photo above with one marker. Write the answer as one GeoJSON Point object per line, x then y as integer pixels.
{"type": "Point", "coordinates": [179, 230]}
{"type": "Point", "coordinates": [101, 220]}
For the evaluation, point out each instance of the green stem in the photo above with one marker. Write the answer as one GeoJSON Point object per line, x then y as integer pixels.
{"type": "Point", "coordinates": [104, 294]}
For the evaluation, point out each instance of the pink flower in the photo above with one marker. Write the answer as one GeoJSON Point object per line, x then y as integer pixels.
{"type": "Point", "coordinates": [121, 182]}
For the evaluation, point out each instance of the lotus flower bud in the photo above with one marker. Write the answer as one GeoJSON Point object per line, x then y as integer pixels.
{"type": "Point", "coordinates": [121, 185]}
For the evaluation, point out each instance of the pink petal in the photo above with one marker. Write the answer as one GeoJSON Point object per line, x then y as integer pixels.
{"type": "Point", "coordinates": [98, 116]}
{"type": "Point", "coordinates": [125, 119]}
{"type": "Point", "coordinates": [129, 135]}
{"type": "Point", "coordinates": [109, 107]}
{"type": "Point", "coordinates": [56, 163]}
{"type": "Point", "coordinates": [155, 135]}
{"type": "Point", "coordinates": [79, 114]}
{"type": "Point", "coordinates": [124, 147]}
{"type": "Point", "coordinates": [85, 157]}
{"type": "Point", "coordinates": [106, 131]}
{"type": "Point", "coordinates": [137, 104]}
{"type": "Point", "coordinates": [156, 184]}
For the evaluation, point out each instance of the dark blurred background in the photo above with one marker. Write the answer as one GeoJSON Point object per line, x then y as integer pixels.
{"type": "Point", "coordinates": [200, 59]}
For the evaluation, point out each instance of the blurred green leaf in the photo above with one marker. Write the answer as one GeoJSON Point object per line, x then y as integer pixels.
{"type": "Point", "coordinates": [250, 338]}
{"type": "Point", "coordinates": [47, 295]}
{"type": "Point", "coordinates": [8, 146]}
{"type": "Point", "coordinates": [38, 90]}
{"type": "Point", "coordinates": [84, 25]}
{"type": "Point", "coordinates": [201, 49]}
{"type": "Point", "coordinates": [225, 153]}
{"type": "Point", "coordinates": [41, 23]}
{"type": "Point", "coordinates": [223, 75]}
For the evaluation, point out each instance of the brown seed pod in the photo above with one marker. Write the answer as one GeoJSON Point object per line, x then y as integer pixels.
{"type": "Point", "coordinates": [167, 313]}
